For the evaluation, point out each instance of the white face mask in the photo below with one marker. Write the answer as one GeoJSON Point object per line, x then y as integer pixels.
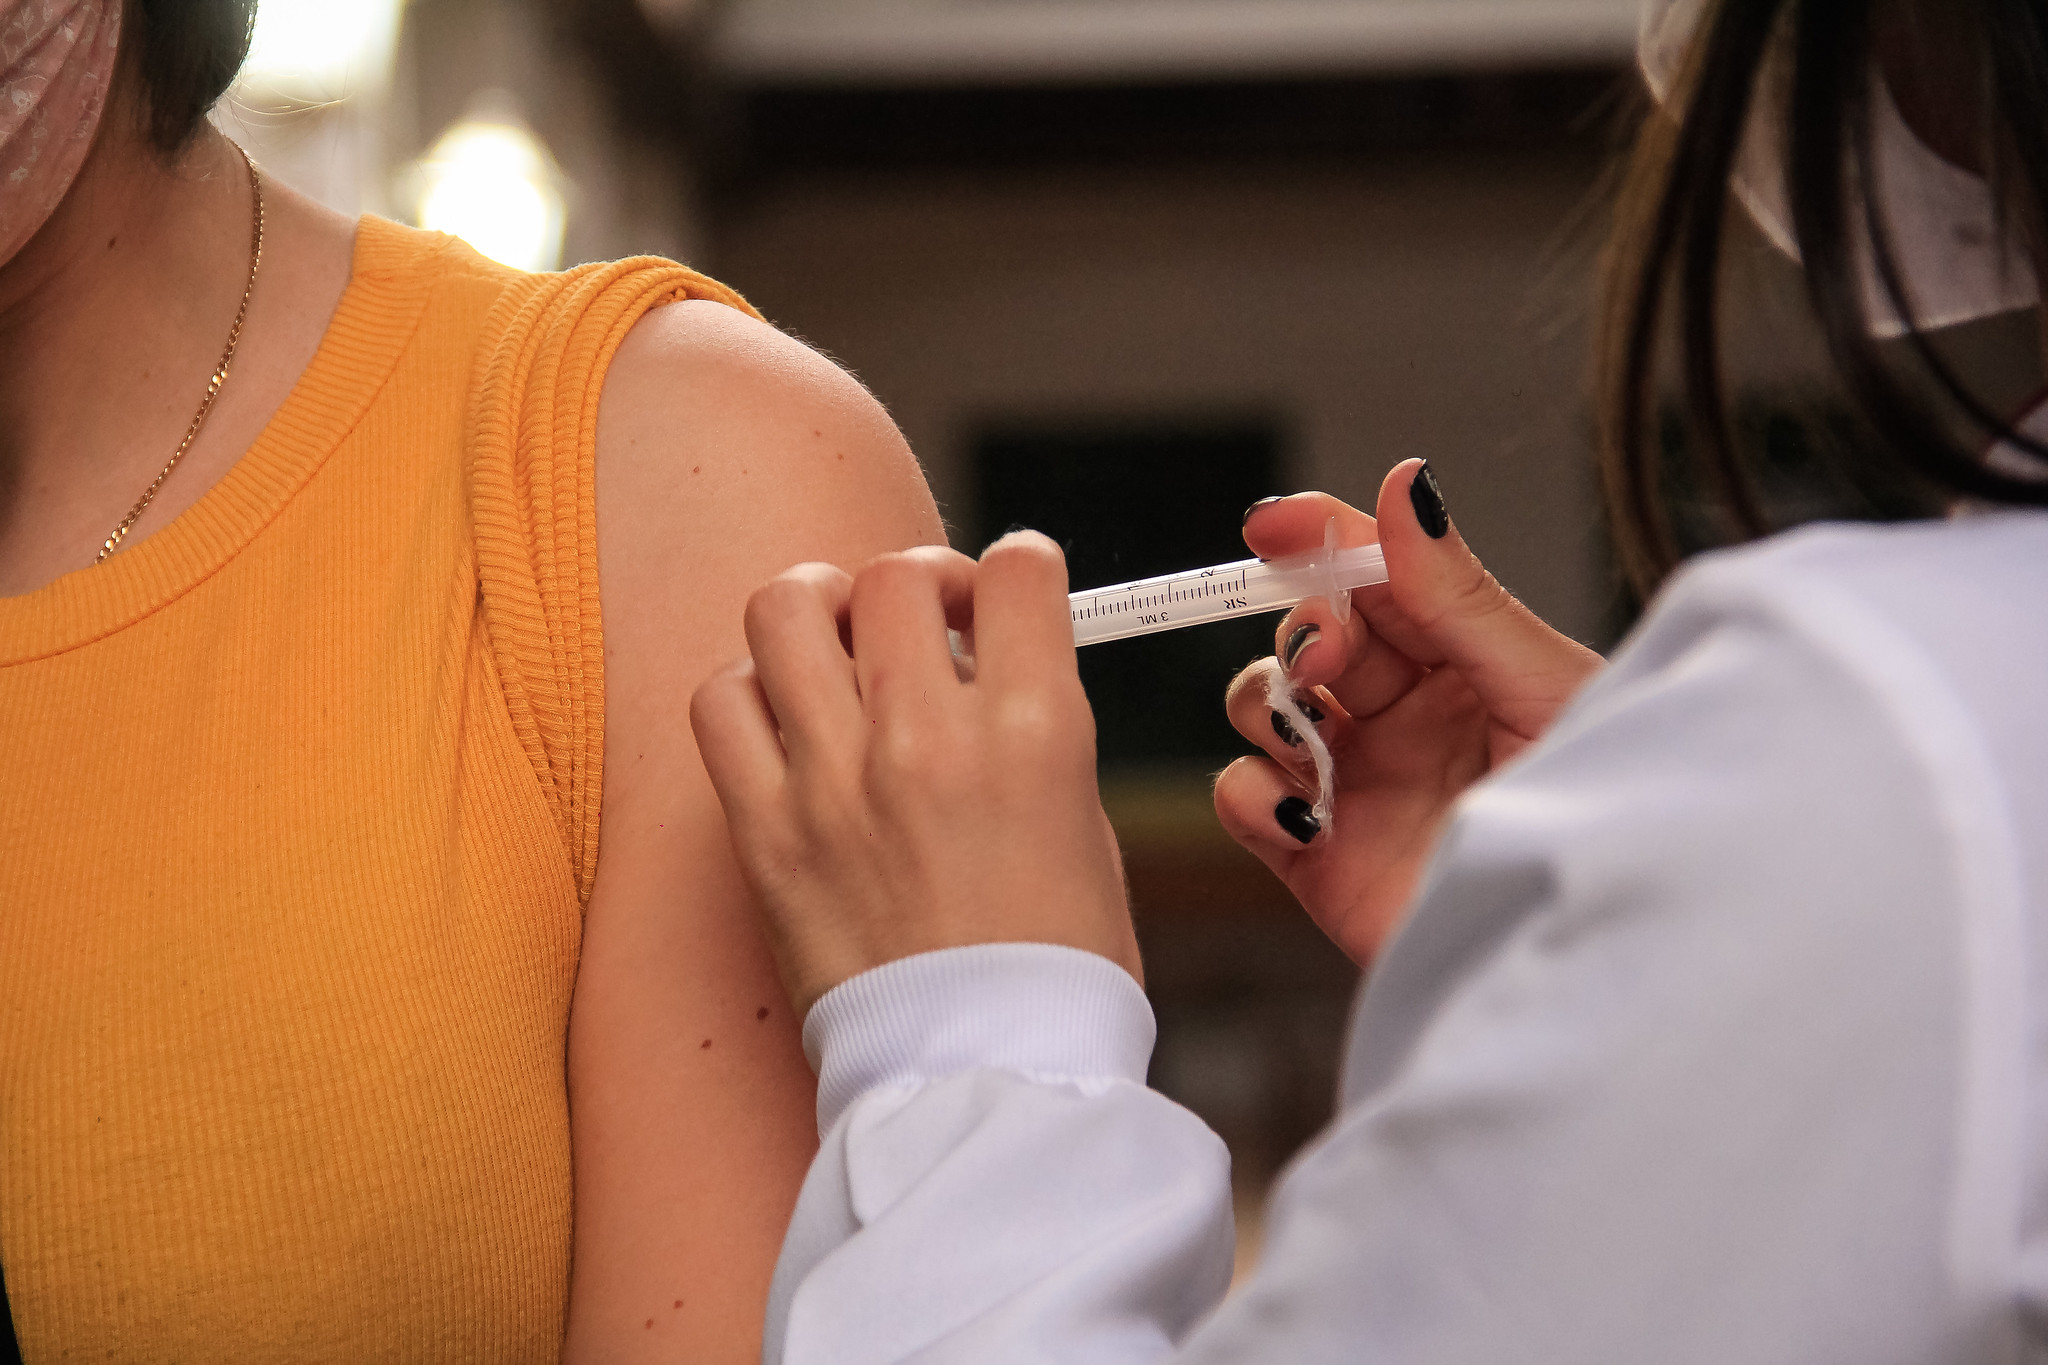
{"type": "Point", "coordinates": [56, 62]}
{"type": "Point", "coordinates": [1955, 263]}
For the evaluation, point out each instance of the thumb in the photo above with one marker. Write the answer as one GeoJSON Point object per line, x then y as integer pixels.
{"type": "Point", "coordinates": [1522, 670]}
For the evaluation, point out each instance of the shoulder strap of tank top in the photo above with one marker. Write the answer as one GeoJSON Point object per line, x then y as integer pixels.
{"type": "Point", "coordinates": [533, 443]}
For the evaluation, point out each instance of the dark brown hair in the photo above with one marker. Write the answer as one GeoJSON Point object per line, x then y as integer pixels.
{"type": "Point", "coordinates": [187, 53]}
{"type": "Point", "coordinates": [1668, 237]}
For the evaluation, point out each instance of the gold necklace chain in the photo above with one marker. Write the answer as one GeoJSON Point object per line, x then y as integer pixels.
{"type": "Point", "coordinates": [213, 385]}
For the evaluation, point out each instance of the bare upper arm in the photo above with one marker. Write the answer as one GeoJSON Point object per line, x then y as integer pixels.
{"type": "Point", "coordinates": [726, 452]}
{"type": "Point", "coordinates": [725, 447]}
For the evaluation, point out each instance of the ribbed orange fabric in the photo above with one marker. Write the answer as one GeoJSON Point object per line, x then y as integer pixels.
{"type": "Point", "coordinates": [298, 809]}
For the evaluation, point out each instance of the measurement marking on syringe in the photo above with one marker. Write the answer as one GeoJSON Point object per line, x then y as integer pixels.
{"type": "Point", "coordinates": [1219, 591]}
{"type": "Point", "coordinates": [1205, 586]}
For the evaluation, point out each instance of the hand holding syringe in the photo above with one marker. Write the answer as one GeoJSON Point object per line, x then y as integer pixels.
{"type": "Point", "coordinates": [985, 797]}
{"type": "Point", "coordinates": [1195, 597]}
{"type": "Point", "coordinates": [1246, 587]}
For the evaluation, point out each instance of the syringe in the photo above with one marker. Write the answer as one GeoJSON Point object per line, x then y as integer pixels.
{"type": "Point", "coordinates": [1246, 587]}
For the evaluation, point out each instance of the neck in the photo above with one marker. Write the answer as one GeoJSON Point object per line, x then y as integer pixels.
{"type": "Point", "coordinates": [111, 320]}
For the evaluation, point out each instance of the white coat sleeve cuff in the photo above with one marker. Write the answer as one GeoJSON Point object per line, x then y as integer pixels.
{"type": "Point", "coordinates": [1047, 1012]}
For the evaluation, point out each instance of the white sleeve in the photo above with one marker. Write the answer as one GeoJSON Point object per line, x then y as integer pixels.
{"type": "Point", "coordinates": [996, 1183]}
{"type": "Point", "coordinates": [1704, 1044]}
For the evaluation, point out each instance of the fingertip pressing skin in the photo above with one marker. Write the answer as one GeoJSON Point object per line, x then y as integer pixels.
{"type": "Point", "coordinates": [954, 573]}
{"type": "Point", "coordinates": [945, 813]}
{"type": "Point", "coordinates": [1028, 555]}
{"type": "Point", "coordinates": [1023, 625]}
{"type": "Point", "coordinates": [898, 624]}
{"type": "Point", "coordinates": [736, 735]}
{"type": "Point", "coordinates": [800, 592]}
{"type": "Point", "coordinates": [793, 634]}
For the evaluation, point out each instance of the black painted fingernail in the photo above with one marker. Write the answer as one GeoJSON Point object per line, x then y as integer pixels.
{"type": "Point", "coordinates": [1297, 642]}
{"type": "Point", "coordinates": [1285, 729]}
{"type": "Point", "coordinates": [1308, 708]}
{"type": "Point", "coordinates": [1256, 506]}
{"type": "Point", "coordinates": [1297, 817]}
{"type": "Point", "coordinates": [1428, 501]}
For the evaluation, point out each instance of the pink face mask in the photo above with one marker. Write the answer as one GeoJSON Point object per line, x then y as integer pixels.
{"type": "Point", "coordinates": [56, 62]}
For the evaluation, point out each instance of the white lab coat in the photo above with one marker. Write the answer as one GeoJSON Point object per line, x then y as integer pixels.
{"type": "Point", "coordinates": [1714, 1036]}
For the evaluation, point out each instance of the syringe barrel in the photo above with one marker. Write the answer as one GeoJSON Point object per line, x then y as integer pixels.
{"type": "Point", "coordinates": [1196, 596]}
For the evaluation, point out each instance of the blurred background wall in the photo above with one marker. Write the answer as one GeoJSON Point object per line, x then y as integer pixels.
{"type": "Point", "coordinates": [1117, 267]}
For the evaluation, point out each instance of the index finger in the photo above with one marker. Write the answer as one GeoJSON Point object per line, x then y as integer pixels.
{"type": "Point", "coordinates": [899, 615]}
{"type": "Point", "coordinates": [1023, 626]}
{"type": "Point", "coordinates": [793, 633]}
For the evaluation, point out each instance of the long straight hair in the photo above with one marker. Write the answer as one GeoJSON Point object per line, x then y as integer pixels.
{"type": "Point", "coordinates": [1668, 240]}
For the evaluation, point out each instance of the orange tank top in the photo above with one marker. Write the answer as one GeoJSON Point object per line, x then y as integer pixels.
{"type": "Point", "coordinates": [298, 811]}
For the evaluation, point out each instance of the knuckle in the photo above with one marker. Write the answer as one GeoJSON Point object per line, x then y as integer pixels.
{"type": "Point", "coordinates": [898, 752]}
{"type": "Point", "coordinates": [1025, 718]}
{"type": "Point", "coordinates": [923, 760]}
{"type": "Point", "coordinates": [1477, 597]}
{"type": "Point", "coordinates": [824, 815]}
{"type": "Point", "coordinates": [1032, 728]}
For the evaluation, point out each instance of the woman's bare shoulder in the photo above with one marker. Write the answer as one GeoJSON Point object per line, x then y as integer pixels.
{"type": "Point", "coordinates": [726, 451]}
{"type": "Point", "coordinates": [732, 445]}
{"type": "Point", "coordinates": [725, 423]}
